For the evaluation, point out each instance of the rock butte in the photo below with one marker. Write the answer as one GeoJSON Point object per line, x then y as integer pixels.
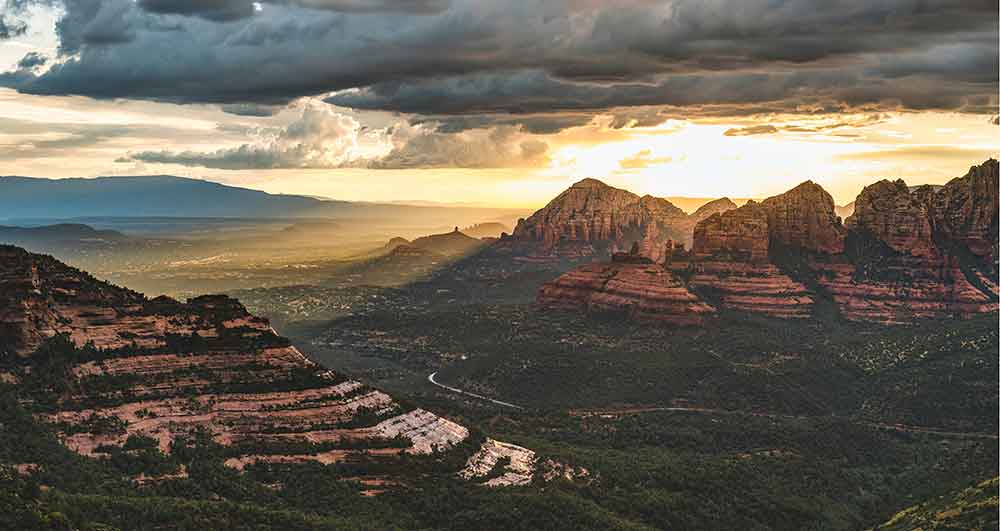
{"type": "Point", "coordinates": [168, 369]}
{"type": "Point", "coordinates": [630, 284]}
{"type": "Point", "coordinates": [591, 218]}
{"type": "Point", "coordinates": [904, 254]}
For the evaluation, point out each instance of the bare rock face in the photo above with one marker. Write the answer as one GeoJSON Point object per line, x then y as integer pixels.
{"type": "Point", "coordinates": [910, 251]}
{"type": "Point", "coordinates": [717, 206]}
{"type": "Point", "coordinates": [741, 234]}
{"type": "Point", "coordinates": [35, 292]}
{"type": "Point", "coordinates": [965, 209]}
{"type": "Point", "coordinates": [167, 370]}
{"type": "Point", "coordinates": [747, 286]}
{"type": "Point", "coordinates": [730, 260]}
{"type": "Point", "coordinates": [892, 214]}
{"type": "Point", "coordinates": [631, 285]}
{"type": "Point", "coordinates": [906, 288]}
{"type": "Point", "coordinates": [804, 218]}
{"type": "Point", "coordinates": [592, 218]}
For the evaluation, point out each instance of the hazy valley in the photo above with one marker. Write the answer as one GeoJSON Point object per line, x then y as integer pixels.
{"type": "Point", "coordinates": [768, 365]}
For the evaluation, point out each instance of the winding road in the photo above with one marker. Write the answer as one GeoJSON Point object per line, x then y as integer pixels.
{"type": "Point", "coordinates": [431, 379]}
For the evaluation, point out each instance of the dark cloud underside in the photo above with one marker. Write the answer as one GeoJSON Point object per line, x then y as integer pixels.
{"type": "Point", "coordinates": [465, 63]}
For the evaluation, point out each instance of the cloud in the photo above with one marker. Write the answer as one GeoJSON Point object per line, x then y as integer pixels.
{"type": "Point", "coordinates": [251, 109]}
{"type": "Point", "coordinates": [920, 152]}
{"type": "Point", "coordinates": [216, 10]}
{"type": "Point", "coordinates": [324, 138]}
{"type": "Point", "coordinates": [538, 124]}
{"type": "Point", "coordinates": [35, 140]}
{"type": "Point", "coordinates": [498, 147]}
{"type": "Point", "coordinates": [752, 130]}
{"type": "Point", "coordinates": [818, 126]}
{"type": "Point", "coordinates": [493, 58]}
{"type": "Point", "coordinates": [320, 138]}
{"type": "Point", "coordinates": [230, 10]}
{"type": "Point", "coordinates": [643, 159]}
{"type": "Point", "coordinates": [10, 28]}
{"type": "Point", "coordinates": [32, 60]}
{"type": "Point", "coordinates": [11, 23]}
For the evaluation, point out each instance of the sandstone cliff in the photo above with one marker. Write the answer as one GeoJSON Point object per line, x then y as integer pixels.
{"type": "Point", "coordinates": [804, 218]}
{"type": "Point", "coordinates": [593, 219]}
{"type": "Point", "coordinates": [895, 216]}
{"type": "Point", "coordinates": [630, 285]}
{"type": "Point", "coordinates": [742, 234]}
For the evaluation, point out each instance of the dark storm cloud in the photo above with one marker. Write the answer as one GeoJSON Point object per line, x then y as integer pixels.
{"type": "Point", "coordinates": [536, 91]}
{"type": "Point", "coordinates": [218, 10]}
{"type": "Point", "coordinates": [228, 10]}
{"type": "Point", "coordinates": [250, 109]}
{"type": "Point", "coordinates": [478, 57]}
{"type": "Point", "coordinates": [535, 124]}
{"type": "Point", "coordinates": [31, 60]}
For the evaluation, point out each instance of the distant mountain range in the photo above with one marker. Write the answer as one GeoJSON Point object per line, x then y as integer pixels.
{"type": "Point", "coordinates": [181, 197]}
{"type": "Point", "coordinates": [58, 233]}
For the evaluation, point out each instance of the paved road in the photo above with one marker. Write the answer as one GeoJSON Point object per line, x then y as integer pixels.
{"type": "Point", "coordinates": [468, 393]}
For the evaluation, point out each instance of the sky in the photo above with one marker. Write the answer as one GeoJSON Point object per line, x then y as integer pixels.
{"type": "Point", "coordinates": [501, 103]}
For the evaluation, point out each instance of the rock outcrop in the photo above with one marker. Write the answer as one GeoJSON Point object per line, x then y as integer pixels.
{"type": "Point", "coordinates": [964, 211]}
{"type": "Point", "coordinates": [919, 253]}
{"type": "Point", "coordinates": [904, 254]}
{"type": "Point", "coordinates": [804, 218]}
{"type": "Point", "coordinates": [730, 262]}
{"type": "Point", "coordinates": [710, 208]}
{"type": "Point", "coordinates": [593, 219]}
{"type": "Point", "coordinates": [895, 216]}
{"type": "Point", "coordinates": [630, 285]}
{"type": "Point", "coordinates": [742, 234]}
{"type": "Point", "coordinates": [175, 371]}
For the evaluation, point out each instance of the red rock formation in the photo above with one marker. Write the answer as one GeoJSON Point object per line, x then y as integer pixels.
{"type": "Point", "coordinates": [804, 218]}
{"type": "Point", "coordinates": [906, 289]}
{"type": "Point", "coordinates": [756, 287]}
{"type": "Point", "coordinates": [917, 274]}
{"type": "Point", "coordinates": [965, 209]}
{"type": "Point", "coordinates": [717, 206]}
{"type": "Point", "coordinates": [892, 214]}
{"type": "Point", "coordinates": [630, 285]}
{"type": "Point", "coordinates": [592, 218]}
{"type": "Point", "coordinates": [741, 234]}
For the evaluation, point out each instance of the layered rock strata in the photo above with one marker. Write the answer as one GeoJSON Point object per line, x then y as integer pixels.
{"type": "Point", "coordinates": [631, 285]}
